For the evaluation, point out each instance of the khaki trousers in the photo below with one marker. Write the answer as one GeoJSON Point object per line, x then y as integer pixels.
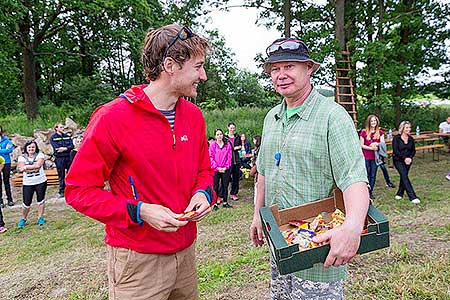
{"type": "Point", "coordinates": [139, 276]}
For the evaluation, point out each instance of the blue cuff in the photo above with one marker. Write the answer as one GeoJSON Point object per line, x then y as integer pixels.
{"type": "Point", "coordinates": [138, 213]}
{"type": "Point", "coordinates": [208, 196]}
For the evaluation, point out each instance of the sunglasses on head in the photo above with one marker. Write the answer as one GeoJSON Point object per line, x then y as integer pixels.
{"type": "Point", "coordinates": [289, 44]}
{"type": "Point", "coordinates": [184, 34]}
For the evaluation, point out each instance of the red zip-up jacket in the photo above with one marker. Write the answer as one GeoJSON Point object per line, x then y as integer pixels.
{"type": "Point", "coordinates": [130, 137]}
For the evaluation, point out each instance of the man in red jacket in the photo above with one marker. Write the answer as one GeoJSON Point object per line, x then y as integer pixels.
{"type": "Point", "coordinates": [150, 145]}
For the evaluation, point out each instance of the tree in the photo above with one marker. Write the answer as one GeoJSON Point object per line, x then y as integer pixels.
{"type": "Point", "coordinates": [221, 70]}
{"type": "Point", "coordinates": [30, 23]}
{"type": "Point", "coordinates": [405, 39]}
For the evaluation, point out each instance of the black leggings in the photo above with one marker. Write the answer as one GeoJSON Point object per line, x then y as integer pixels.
{"type": "Point", "coordinates": [405, 184]}
{"type": "Point", "coordinates": [235, 170]}
{"type": "Point", "coordinates": [1, 218]}
{"type": "Point", "coordinates": [4, 176]}
{"type": "Point", "coordinates": [224, 179]}
{"type": "Point", "coordinates": [28, 191]}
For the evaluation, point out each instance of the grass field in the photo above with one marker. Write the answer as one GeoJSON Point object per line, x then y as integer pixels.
{"type": "Point", "coordinates": [66, 258]}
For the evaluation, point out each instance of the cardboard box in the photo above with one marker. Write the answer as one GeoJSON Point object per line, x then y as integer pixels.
{"type": "Point", "coordinates": [290, 259]}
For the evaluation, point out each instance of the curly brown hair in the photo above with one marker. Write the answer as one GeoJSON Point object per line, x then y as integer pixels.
{"type": "Point", "coordinates": [156, 42]}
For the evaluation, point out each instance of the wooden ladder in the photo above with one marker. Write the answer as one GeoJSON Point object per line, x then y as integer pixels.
{"type": "Point", "coordinates": [345, 95]}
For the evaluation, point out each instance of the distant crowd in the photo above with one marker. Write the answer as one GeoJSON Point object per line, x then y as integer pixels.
{"type": "Point", "coordinates": [374, 146]}
{"type": "Point", "coordinates": [232, 157]}
{"type": "Point", "coordinates": [34, 179]}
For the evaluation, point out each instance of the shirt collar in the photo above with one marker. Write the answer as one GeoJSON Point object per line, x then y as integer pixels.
{"type": "Point", "coordinates": [305, 111]}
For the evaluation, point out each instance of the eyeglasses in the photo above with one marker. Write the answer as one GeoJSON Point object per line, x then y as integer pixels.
{"type": "Point", "coordinates": [289, 44]}
{"type": "Point", "coordinates": [184, 34]}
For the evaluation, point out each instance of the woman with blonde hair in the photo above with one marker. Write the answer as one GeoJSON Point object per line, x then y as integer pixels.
{"type": "Point", "coordinates": [404, 150]}
{"type": "Point", "coordinates": [369, 138]}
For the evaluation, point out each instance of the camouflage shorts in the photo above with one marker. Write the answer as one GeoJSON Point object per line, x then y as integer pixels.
{"type": "Point", "coordinates": [289, 287]}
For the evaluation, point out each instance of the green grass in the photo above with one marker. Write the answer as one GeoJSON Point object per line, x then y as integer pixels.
{"type": "Point", "coordinates": [248, 120]}
{"type": "Point", "coordinates": [66, 259]}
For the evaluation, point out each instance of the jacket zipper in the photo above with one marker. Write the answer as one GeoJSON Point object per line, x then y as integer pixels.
{"type": "Point", "coordinates": [174, 140]}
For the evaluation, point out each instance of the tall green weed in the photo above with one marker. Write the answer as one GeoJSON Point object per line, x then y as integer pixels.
{"type": "Point", "coordinates": [248, 120]}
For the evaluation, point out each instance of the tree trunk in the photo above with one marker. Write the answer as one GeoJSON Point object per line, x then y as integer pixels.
{"type": "Point", "coordinates": [380, 38]}
{"type": "Point", "coordinates": [287, 17]}
{"type": "Point", "coordinates": [368, 23]}
{"type": "Point", "coordinates": [405, 32]}
{"type": "Point", "coordinates": [398, 103]}
{"type": "Point", "coordinates": [29, 83]}
{"type": "Point", "coordinates": [340, 23]}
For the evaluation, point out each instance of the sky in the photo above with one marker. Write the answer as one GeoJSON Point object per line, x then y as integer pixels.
{"type": "Point", "coordinates": [241, 34]}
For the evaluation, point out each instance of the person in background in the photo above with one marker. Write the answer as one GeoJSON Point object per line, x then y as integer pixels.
{"type": "Point", "coordinates": [2, 223]}
{"type": "Point", "coordinates": [150, 145]}
{"type": "Point", "coordinates": [31, 163]}
{"type": "Point", "coordinates": [297, 167]}
{"type": "Point", "coordinates": [369, 138]}
{"type": "Point", "coordinates": [235, 141]}
{"type": "Point", "coordinates": [404, 150]}
{"type": "Point", "coordinates": [246, 152]}
{"type": "Point", "coordinates": [220, 154]}
{"type": "Point", "coordinates": [62, 146]}
{"type": "Point", "coordinates": [254, 156]}
{"type": "Point", "coordinates": [76, 147]}
{"type": "Point", "coordinates": [444, 127]}
{"type": "Point", "coordinates": [386, 176]}
{"type": "Point", "coordinates": [6, 147]}
{"type": "Point", "coordinates": [210, 140]}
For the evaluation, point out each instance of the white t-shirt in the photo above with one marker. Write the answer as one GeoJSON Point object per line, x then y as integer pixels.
{"type": "Point", "coordinates": [445, 127]}
{"type": "Point", "coordinates": [36, 176]}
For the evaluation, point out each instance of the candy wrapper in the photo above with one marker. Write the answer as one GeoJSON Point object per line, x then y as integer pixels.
{"type": "Point", "coordinates": [187, 216]}
{"type": "Point", "coordinates": [304, 231]}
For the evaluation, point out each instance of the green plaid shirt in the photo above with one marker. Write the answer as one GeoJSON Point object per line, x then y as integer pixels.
{"type": "Point", "coordinates": [319, 150]}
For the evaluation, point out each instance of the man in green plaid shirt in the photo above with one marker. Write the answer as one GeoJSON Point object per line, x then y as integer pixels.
{"type": "Point", "coordinates": [309, 146]}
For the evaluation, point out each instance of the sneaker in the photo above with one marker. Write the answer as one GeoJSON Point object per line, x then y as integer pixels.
{"type": "Point", "coordinates": [391, 185]}
{"type": "Point", "coordinates": [227, 205]}
{"type": "Point", "coordinates": [216, 207]}
{"type": "Point", "coordinates": [2, 205]}
{"type": "Point", "coordinates": [219, 200]}
{"type": "Point", "coordinates": [21, 223]}
{"type": "Point", "coordinates": [10, 203]}
{"type": "Point", "coordinates": [234, 197]}
{"type": "Point", "coordinates": [448, 176]}
{"type": "Point", "coordinates": [397, 197]}
{"type": "Point", "coordinates": [3, 229]}
{"type": "Point", "coordinates": [61, 195]}
{"type": "Point", "coordinates": [41, 221]}
{"type": "Point", "coordinates": [415, 201]}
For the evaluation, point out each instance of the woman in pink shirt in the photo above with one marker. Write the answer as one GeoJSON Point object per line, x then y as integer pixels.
{"type": "Point", "coordinates": [370, 137]}
{"type": "Point", "coordinates": [220, 154]}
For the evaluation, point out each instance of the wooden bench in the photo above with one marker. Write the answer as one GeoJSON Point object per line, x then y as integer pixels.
{"type": "Point", "coordinates": [423, 148]}
{"type": "Point", "coordinates": [52, 178]}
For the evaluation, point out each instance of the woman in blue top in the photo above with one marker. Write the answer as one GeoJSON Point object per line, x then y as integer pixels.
{"type": "Point", "coordinates": [245, 152]}
{"type": "Point", "coordinates": [6, 147]}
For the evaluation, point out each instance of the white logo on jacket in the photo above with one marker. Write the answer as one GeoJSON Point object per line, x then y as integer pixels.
{"type": "Point", "coordinates": [184, 138]}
